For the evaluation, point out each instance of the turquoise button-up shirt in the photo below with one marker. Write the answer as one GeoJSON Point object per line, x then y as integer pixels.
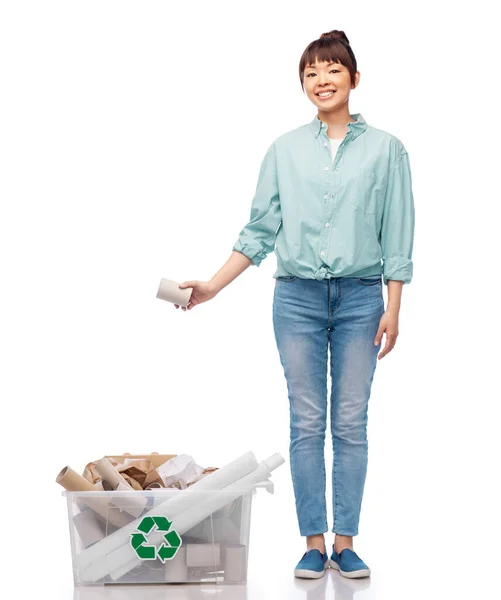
{"type": "Point", "coordinates": [351, 217]}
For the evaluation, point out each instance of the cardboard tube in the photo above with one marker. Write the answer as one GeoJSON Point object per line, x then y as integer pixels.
{"type": "Point", "coordinates": [176, 569]}
{"type": "Point", "coordinates": [170, 291]}
{"type": "Point", "coordinates": [154, 485]}
{"type": "Point", "coordinates": [89, 527]}
{"type": "Point", "coordinates": [134, 505]}
{"type": "Point", "coordinates": [98, 487]}
{"type": "Point", "coordinates": [73, 482]}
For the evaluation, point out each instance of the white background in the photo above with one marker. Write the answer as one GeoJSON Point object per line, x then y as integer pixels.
{"type": "Point", "coordinates": [131, 139]}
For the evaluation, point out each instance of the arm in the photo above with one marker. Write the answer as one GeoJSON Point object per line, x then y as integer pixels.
{"type": "Point", "coordinates": [233, 267]}
{"type": "Point", "coordinates": [256, 239]}
{"type": "Point", "coordinates": [397, 237]}
{"type": "Point", "coordinates": [397, 229]}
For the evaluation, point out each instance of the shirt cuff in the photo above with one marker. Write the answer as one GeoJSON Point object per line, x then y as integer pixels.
{"type": "Point", "coordinates": [398, 269]}
{"type": "Point", "coordinates": [254, 253]}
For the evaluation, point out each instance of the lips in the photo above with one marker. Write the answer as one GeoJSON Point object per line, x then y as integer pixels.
{"type": "Point", "coordinates": [332, 92]}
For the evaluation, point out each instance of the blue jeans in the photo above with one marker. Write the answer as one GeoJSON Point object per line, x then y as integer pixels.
{"type": "Point", "coordinates": [309, 317]}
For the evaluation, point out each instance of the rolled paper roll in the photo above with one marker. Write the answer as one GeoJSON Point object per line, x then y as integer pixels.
{"type": "Point", "coordinates": [235, 562]}
{"type": "Point", "coordinates": [73, 482]}
{"type": "Point", "coordinates": [176, 569]}
{"type": "Point", "coordinates": [171, 292]}
{"type": "Point", "coordinates": [90, 528]}
{"type": "Point", "coordinates": [132, 504]}
{"type": "Point", "coordinates": [110, 474]}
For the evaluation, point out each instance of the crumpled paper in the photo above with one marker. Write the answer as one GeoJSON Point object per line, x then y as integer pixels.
{"type": "Point", "coordinates": [178, 472]}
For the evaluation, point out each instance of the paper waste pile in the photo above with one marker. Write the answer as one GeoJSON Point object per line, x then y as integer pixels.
{"type": "Point", "coordinates": [118, 496]}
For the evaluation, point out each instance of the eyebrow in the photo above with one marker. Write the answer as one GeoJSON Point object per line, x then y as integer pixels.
{"type": "Point", "coordinates": [329, 64]}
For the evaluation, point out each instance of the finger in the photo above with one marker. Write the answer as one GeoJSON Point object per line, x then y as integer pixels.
{"type": "Point", "coordinates": [388, 347]}
{"type": "Point", "coordinates": [379, 336]}
{"type": "Point", "coordinates": [186, 284]}
{"type": "Point", "coordinates": [176, 305]}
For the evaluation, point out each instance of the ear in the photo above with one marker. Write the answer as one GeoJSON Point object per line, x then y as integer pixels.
{"type": "Point", "coordinates": [357, 80]}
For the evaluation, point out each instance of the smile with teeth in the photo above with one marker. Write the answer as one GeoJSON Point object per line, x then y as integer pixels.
{"type": "Point", "coordinates": [325, 94]}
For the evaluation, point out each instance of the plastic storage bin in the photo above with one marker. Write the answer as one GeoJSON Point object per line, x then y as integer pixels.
{"type": "Point", "coordinates": [160, 536]}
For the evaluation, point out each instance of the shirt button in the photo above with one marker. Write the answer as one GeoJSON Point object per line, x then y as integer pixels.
{"type": "Point", "coordinates": [327, 224]}
{"type": "Point", "coordinates": [326, 168]}
{"type": "Point", "coordinates": [326, 196]}
{"type": "Point", "coordinates": [325, 144]}
{"type": "Point", "coordinates": [322, 253]}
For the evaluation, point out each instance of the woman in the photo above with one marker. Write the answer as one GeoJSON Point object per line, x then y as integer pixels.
{"type": "Point", "coordinates": [334, 199]}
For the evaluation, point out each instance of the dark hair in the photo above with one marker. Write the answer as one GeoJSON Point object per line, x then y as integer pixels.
{"type": "Point", "coordinates": [332, 46]}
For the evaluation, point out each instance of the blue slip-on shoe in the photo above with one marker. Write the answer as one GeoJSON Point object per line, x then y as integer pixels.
{"type": "Point", "coordinates": [349, 564]}
{"type": "Point", "coordinates": [312, 565]}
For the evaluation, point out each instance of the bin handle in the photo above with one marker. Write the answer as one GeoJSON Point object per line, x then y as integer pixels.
{"type": "Point", "coordinates": [267, 484]}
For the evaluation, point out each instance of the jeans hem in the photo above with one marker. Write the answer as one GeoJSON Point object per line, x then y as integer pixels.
{"type": "Point", "coordinates": [325, 530]}
{"type": "Point", "coordinates": [345, 532]}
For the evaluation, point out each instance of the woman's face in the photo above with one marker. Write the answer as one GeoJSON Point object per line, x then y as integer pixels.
{"type": "Point", "coordinates": [333, 77]}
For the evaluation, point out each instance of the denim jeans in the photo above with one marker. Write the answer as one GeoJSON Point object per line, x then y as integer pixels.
{"type": "Point", "coordinates": [311, 317]}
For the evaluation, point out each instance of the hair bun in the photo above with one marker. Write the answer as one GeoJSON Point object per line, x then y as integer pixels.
{"type": "Point", "coordinates": [336, 34]}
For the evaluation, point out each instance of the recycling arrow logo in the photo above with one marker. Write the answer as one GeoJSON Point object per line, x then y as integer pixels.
{"type": "Point", "coordinates": [167, 551]}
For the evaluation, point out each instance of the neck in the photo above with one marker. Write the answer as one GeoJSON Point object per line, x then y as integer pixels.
{"type": "Point", "coordinates": [337, 121]}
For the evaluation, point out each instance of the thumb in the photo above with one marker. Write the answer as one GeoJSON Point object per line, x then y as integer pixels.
{"type": "Point", "coordinates": [186, 284]}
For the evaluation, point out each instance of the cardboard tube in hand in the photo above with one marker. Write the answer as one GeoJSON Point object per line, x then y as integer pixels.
{"type": "Point", "coordinates": [171, 292]}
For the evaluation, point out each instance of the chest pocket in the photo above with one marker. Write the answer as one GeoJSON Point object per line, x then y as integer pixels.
{"type": "Point", "coordinates": [363, 191]}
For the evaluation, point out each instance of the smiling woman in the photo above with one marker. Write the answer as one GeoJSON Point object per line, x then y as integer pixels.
{"type": "Point", "coordinates": [334, 200]}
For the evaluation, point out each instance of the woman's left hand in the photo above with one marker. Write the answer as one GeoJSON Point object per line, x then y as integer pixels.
{"type": "Point", "coordinates": [389, 325]}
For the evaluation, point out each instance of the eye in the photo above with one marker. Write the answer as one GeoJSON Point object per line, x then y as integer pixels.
{"type": "Point", "coordinates": [337, 71]}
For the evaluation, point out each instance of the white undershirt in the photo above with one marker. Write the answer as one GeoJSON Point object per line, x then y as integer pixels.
{"type": "Point", "coordinates": [334, 146]}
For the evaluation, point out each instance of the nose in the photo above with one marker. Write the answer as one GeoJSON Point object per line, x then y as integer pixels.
{"type": "Point", "coordinates": [322, 79]}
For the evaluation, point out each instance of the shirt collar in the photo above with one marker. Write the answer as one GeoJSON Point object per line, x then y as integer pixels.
{"type": "Point", "coordinates": [355, 128]}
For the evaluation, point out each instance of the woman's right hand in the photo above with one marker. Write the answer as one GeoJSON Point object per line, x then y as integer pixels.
{"type": "Point", "coordinates": [202, 292]}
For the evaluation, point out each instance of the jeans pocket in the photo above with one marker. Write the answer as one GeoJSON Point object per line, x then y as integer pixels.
{"type": "Point", "coordinates": [373, 280]}
{"type": "Point", "coordinates": [287, 278]}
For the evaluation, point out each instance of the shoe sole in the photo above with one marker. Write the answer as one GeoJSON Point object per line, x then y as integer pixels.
{"type": "Point", "coordinates": [350, 574]}
{"type": "Point", "coordinates": [307, 574]}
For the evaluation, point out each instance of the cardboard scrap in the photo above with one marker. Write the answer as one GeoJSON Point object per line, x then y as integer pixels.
{"type": "Point", "coordinates": [139, 470]}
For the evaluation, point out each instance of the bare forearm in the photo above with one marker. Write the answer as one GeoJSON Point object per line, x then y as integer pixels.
{"type": "Point", "coordinates": [394, 295]}
{"type": "Point", "coordinates": [234, 266]}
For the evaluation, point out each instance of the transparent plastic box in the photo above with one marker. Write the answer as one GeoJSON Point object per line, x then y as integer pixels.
{"type": "Point", "coordinates": [162, 535]}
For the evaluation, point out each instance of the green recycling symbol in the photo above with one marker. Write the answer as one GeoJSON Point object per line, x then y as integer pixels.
{"type": "Point", "coordinates": [148, 552]}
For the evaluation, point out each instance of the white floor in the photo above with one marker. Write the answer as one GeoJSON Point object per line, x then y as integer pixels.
{"type": "Point", "coordinates": [399, 572]}
{"type": "Point", "coordinates": [332, 585]}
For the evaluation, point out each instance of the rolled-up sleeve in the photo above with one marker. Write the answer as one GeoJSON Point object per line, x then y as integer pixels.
{"type": "Point", "coordinates": [397, 229]}
{"type": "Point", "coordinates": [257, 238]}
